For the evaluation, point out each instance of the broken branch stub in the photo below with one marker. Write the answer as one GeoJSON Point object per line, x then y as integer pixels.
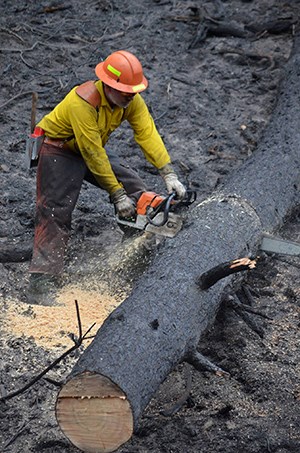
{"type": "Point", "coordinates": [161, 323]}
{"type": "Point", "coordinates": [210, 277]}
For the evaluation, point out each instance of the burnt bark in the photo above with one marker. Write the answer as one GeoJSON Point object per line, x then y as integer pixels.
{"type": "Point", "coordinates": [161, 323]}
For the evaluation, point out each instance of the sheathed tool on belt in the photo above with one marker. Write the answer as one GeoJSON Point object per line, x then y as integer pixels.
{"type": "Point", "coordinates": [35, 138]}
{"type": "Point", "coordinates": [155, 213]}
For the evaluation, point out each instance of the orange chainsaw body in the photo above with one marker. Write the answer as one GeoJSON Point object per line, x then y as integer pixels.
{"type": "Point", "coordinates": [148, 200]}
{"type": "Point", "coordinates": [153, 214]}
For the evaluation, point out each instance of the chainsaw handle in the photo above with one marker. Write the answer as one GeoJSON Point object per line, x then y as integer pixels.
{"type": "Point", "coordinates": [163, 206]}
{"type": "Point", "coordinates": [190, 197]}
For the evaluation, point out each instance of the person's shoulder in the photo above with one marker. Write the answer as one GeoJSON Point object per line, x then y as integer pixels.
{"type": "Point", "coordinates": [137, 103]}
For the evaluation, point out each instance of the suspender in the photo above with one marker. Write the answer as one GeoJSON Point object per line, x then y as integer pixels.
{"type": "Point", "coordinates": [89, 93]}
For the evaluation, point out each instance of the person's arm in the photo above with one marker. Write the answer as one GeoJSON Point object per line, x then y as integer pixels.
{"type": "Point", "coordinates": [145, 133]}
{"type": "Point", "coordinates": [152, 145]}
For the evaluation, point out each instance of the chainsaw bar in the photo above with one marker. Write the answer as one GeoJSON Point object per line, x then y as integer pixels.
{"type": "Point", "coordinates": [279, 245]}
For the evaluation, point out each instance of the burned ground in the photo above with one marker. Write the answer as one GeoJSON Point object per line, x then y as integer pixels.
{"type": "Point", "coordinates": [214, 70]}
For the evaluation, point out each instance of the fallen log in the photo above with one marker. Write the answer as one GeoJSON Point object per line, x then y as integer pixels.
{"type": "Point", "coordinates": [161, 323]}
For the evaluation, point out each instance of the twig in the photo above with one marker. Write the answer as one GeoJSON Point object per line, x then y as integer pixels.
{"type": "Point", "coordinates": [77, 343]}
{"type": "Point", "coordinates": [53, 382]}
{"type": "Point", "coordinates": [202, 363]}
{"type": "Point", "coordinates": [10, 32]}
{"type": "Point", "coordinates": [161, 115]}
{"type": "Point", "coordinates": [172, 409]}
{"type": "Point", "coordinates": [22, 93]}
{"type": "Point", "coordinates": [252, 55]}
{"type": "Point", "coordinates": [17, 434]}
{"type": "Point", "coordinates": [248, 294]}
{"type": "Point", "coordinates": [234, 302]}
{"type": "Point", "coordinates": [186, 81]}
{"type": "Point", "coordinates": [241, 310]}
{"type": "Point", "coordinates": [103, 38]}
{"type": "Point", "coordinates": [53, 9]}
{"type": "Point", "coordinates": [287, 261]}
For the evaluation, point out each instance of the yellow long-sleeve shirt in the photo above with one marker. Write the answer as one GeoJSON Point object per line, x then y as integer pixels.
{"type": "Point", "coordinates": [74, 117]}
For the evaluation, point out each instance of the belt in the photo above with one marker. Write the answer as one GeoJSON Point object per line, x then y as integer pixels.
{"type": "Point", "coordinates": [57, 142]}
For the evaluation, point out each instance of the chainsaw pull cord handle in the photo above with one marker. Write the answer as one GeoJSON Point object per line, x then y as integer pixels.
{"type": "Point", "coordinates": [163, 206]}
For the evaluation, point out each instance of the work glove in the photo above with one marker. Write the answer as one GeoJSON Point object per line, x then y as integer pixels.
{"type": "Point", "coordinates": [124, 205]}
{"type": "Point", "coordinates": [172, 182]}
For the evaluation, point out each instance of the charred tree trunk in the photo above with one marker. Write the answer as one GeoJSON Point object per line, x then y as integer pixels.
{"type": "Point", "coordinates": [161, 322]}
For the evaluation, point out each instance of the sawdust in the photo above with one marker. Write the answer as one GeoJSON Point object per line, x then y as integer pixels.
{"type": "Point", "coordinates": [97, 294]}
{"type": "Point", "coordinates": [51, 326]}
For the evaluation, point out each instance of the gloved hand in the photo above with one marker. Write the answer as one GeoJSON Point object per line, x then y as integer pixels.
{"type": "Point", "coordinates": [123, 204]}
{"type": "Point", "coordinates": [172, 182]}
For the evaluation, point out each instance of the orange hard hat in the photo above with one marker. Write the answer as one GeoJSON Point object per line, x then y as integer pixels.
{"type": "Point", "coordinates": [122, 71]}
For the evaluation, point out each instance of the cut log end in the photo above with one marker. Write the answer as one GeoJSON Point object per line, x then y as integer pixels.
{"type": "Point", "coordinates": [94, 413]}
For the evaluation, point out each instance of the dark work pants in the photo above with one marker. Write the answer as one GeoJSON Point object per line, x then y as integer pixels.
{"type": "Point", "coordinates": [60, 175]}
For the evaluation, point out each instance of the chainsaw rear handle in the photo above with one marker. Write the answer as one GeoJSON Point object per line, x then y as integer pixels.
{"type": "Point", "coordinates": [190, 197]}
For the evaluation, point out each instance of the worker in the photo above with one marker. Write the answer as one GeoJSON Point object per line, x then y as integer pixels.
{"type": "Point", "coordinates": [75, 133]}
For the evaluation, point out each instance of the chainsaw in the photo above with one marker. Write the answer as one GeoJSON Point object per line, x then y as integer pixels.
{"type": "Point", "coordinates": [155, 213]}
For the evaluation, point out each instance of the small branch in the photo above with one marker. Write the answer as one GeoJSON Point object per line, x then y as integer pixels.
{"type": "Point", "coordinates": [10, 32]}
{"type": "Point", "coordinates": [251, 55]}
{"type": "Point", "coordinates": [53, 9]}
{"type": "Point", "coordinates": [22, 93]}
{"type": "Point", "coordinates": [241, 310]}
{"type": "Point", "coordinates": [23, 427]}
{"type": "Point", "coordinates": [210, 27]}
{"type": "Point", "coordinates": [201, 363]}
{"type": "Point", "coordinates": [185, 81]}
{"type": "Point", "coordinates": [77, 344]}
{"type": "Point", "coordinates": [287, 261]}
{"type": "Point", "coordinates": [276, 27]}
{"type": "Point", "coordinates": [53, 382]}
{"type": "Point", "coordinates": [248, 294]}
{"type": "Point", "coordinates": [172, 409]}
{"type": "Point", "coordinates": [235, 303]}
{"type": "Point", "coordinates": [209, 278]}
{"type": "Point", "coordinates": [78, 319]}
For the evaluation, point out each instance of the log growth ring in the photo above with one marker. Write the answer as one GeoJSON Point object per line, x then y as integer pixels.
{"type": "Point", "coordinates": [94, 413]}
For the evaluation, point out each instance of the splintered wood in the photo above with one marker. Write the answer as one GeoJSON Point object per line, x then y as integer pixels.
{"type": "Point", "coordinates": [51, 326]}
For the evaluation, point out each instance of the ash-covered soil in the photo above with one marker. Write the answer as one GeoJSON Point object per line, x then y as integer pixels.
{"type": "Point", "coordinates": [213, 86]}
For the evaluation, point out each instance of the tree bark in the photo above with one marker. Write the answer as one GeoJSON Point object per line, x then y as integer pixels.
{"type": "Point", "coordinates": [161, 323]}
